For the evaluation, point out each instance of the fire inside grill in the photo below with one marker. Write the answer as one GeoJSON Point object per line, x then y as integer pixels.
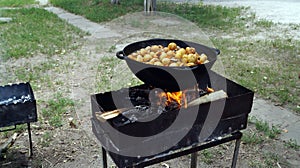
{"type": "Point", "coordinates": [144, 111]}
{"type": "Point", "coordinates": [181, 97]}
{"type": "Point", "coordinates": [173, 96]}
{"type": "Point", "coordinates": [162, 101]}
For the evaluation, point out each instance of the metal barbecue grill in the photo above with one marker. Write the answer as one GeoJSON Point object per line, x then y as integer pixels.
{"type": "Point", "coordinates": [17, 106]}
{"type": "Point", "coordinates": [233, 112]}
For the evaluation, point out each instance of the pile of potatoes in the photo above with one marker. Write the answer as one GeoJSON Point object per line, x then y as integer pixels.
{"type": "Point", "coordinates": [172, 56]}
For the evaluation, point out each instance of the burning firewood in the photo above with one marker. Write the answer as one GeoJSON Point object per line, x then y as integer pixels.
{"type": "Point", "coordinates": [109, 114]}
{"type": "Point", "coordinates": [103, 116]}
{"type": "Point", "coordinates": [220, 94]}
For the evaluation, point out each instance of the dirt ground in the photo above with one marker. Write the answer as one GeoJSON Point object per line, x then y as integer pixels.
{"type": "Point", "coordinates": [77, 147]}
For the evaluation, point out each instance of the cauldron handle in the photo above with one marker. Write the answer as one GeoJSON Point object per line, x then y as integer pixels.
{"type": "Point", "coordinates": [120, 54]}
{"type": "Point", "coordinates": [216, 50]}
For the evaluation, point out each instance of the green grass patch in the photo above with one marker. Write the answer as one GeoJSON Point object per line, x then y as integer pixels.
{"type": "Point", "coordinates": [46, 139]}
{"type": "Point", "coordinates": [111, 75]}
{"type": "Point", "coordinates": [264, 23]}
{"type": "Point", "coordinates": [36, 74]}
{"type": "Point", "coordinates": [34, 31]}
{"type": "Point", "coordinates": [252, 138]}
{"type": "Point", "coordinates": [268, 160]}
{"type": "Point", "coordinates": [268, 67]}
{"type": "Point", "coordinates": [262, 132]}
{"type": "Point", "coordinates": [19, 129]}
{"type": "Point", "coordinates": [292, 143]}
{"type": "Point", "coordinates": [56, 108]}
{"type": "Point", "coordinates": [208, 156]}
{"type": "Point", "coordinates": [16, 3]}
{"type": "Point", "coordinates": [207, 16]}
{"type": "Point", "coordinates": [99, 11]}
{"type": "Point", "coordinates": [270, 132]}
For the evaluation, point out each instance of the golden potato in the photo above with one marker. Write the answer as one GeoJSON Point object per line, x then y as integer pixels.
{"type": "Point", "coordinates": [178, 55]}
{"type": "Point", "coordinates": [190, 50]}
{"type": "Point", "coordinates": [185, 56]}
{"type": "Point", "coordinates": [147, 57]}
{"type": "Point", "coordinates": [190, 64]}
{"type": "Point", "coordinates": [140, 58]}
{"type": "Point", "coordinates": [132, 57]}
{"type": "Point", "coordinates": [154, 60]}
{"type": "Point", "coordinates": [152, 53]}
{"type": "Point", "coordinates": [172, 55]}
{"type": "Point", "coordinates": [166, 61]}
{"type": "Point", "coordinates": [163, 55]}
{"type": "Point", "coordinates": [184, 60]}
{"type": "Point", "coordinates": [191, 58]}
{"type": "Point", "coordinates": [143, 51]}
{"type": "Point", "coordinates": [203, 58]}
{"type": "Point", "coordinates": [166, 49]}
{"type": "Point", "coordinates": [172, 46]}
{"type": "Point", "coordinates": [154, 48]}
{"type": "Point", "coordinates": [158, 63]}
{"type": "Point", "coordinates": [174, 64]}
{"type": "Point", "coordinates": [182, 51]}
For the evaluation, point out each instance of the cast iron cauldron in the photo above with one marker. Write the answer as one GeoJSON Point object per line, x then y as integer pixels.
{"type": "Point", "coordinates": [170, 78]}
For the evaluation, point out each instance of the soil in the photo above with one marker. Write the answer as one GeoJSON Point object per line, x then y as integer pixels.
{"type": "Point", "coordinates": [70, 146]}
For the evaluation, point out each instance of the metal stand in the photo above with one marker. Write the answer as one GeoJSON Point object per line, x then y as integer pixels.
{"type": "Point", "coordinates": [29, 134]}
{"type": "Point", "coordinates": [194, 160]}
{"type": "Point", "coordinates": [149, 6]}
{"type": "Point", "coordinates": [30, 141]}
{"type": "Point", "coordinates": [193, 151]}
{"type": "Point", "coordinates": [104, 158]}
{"type": "Point", "coordinates": [236, 151]}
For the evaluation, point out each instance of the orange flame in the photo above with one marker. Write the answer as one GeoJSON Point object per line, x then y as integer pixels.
{"type": "Point", "coordinates": [174, 96]}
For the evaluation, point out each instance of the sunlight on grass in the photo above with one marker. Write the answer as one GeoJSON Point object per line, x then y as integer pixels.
{"type": "Point", "coordinates": [16, 3]}
{"type": "Point", "coordinates": [35, 31]}
{"type": "Point", "coordinates": [99, 11]}
{"type": "Point", "coordinates": [56, 109]}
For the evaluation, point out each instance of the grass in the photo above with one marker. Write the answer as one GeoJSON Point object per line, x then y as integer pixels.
{"type": "Point", "coordinates": [99, 11]}
{"type": "Point", "coordinates": [263, 132]}
{"type": "Point", "coordinates": [262, 126]}
{"type": "Point", "coordinates": [16, 3]}
{"type": "Point", "coordinates": [36, 74]}
{"type": "Point", "coordinates": [292, 144]}
{"type": "Point", "coordinates": [268, 160]}
{"type": "Point", "coordinates": [206, 16]}
{"type": "Point", "coordinates": [35, 31]}
{"type": "Point", "coordinates": [108, 72]}
{"type": "Point", "coordinates": [208, 156]}
{"type": "Point", "coordinates": [19, 129]}
{"type": "Point", "coordinates": [46, 139]}
{"type": "Point", "coordinates": [263, 67]}
{"type": "Point", "coordinates": [56, 108]}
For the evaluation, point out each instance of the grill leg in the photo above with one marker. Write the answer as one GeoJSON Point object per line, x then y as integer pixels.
{"type": "Point", "coordinates": [30, 141]}
{"type": "Point", "coordinates": [236, 151]}
{"type": "Point", "coordinates": [104, 158]}
{"type": "Point", "coordinates": [194, 160]}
